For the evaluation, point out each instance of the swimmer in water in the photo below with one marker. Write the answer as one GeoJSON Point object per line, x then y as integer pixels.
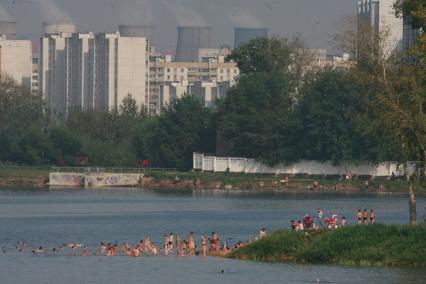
{"type": "Point", "coordinates": [124, 247]}
{"type": "Point", "coordinates": [166, 244]}
{"type": "Point", "coordinates": [102, 248]}
{"type": "Point", "coordinates": [178, 245]}
{"type": "Point", "coordinates": [204, 244]}
{"type": "Point", "coordinates": [39, 250]}
{"type": "Point", "coordinates": [85, 251]}
{"type": "Point", "coordinates": [191, 244]}
{"type": "Point", "coordinates": [171, 241]}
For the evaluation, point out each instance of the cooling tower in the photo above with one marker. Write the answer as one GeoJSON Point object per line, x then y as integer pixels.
{"type": "Point", "coordinates": [135, 31]}
{"type": "Point", "coordinates": [244, 35]}
{"type": "Point", "coordinates": [57, 28]}
{"type": "Point", "coordinates": [8, 29]}
{"type": "Point", "coordinates": [190, 40]}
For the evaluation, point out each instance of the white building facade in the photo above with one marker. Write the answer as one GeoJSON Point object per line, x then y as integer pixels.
{"type": "Point", "coordinates": [208, 80]}
{"type": "Point", "coordinates": [378, 17]}
{"type": "Point", "coordinates": [120, 69]}
{"type": "Point", "coordinates": [84, 71]}
{"type": "Point", "coordinates": [16, 60]}
{"type": "Point", "coordinates": [53, 71]}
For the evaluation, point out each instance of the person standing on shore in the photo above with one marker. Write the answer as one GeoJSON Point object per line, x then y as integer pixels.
{"type": "Point", "coordinates": [365, 217]}
{"type": "Point", "coordinates": [320, 216]}
{"type": "Point", "coordinates": [262, 233]}
{"type": "Point", "coordinates": [372, 216]}
{"type": "Point", "coordinates": [366, 184]}
{"type": "Point", "coordinates": [315, 186]}
{"type": "Point", "coordinates": [359, 217]}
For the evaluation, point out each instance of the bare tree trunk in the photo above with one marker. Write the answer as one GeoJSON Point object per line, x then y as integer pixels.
{"type": "Point", "coordinates": [411, 196]}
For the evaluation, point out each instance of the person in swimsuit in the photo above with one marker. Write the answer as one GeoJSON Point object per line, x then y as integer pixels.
{"type": "Point", "coordinates": [39, 250]}
{"type": "Point", "coordinates": [184, 248]}
{"type": "Point", "coordinates": [124, 247]}
{"type": "Point", "coordinates": [359, 217]}
{"type": "Point", "coordinates": [262, 233]}
{"type": "Point", "coordinates": [171, 241]}
{"type": "Point", "coordinates": [178, 245]}
{"type": "Point", "coordinates": [203, 240]}
{"type": "Point", "coordinates": [372, 216]}
{"type": "Point", "coordinates": [191, 244]}
{"type": "Point", "coordinates": [166, 244]}
{"type": "Point", "coordinates": [343, 221]}
{"type": "Point", "coordinates": [85, 251]}
{"type": "Point", "coordinates": [365, 217]}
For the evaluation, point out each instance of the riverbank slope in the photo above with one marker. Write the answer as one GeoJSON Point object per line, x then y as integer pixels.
{"type": "Point", "coordinates": [170, 180]}
{"type": "Point", "coordinates": [372, 245]}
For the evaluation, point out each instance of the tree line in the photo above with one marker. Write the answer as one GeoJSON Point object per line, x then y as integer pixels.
{"type": "Point", "coordinates": [276, 113]}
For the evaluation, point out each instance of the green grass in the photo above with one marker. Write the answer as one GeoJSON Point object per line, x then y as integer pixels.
{"type": "Point", "coordinates": [236, 180]}
{"type": "Point", "coordinates": [373, 245]}
{"type": "Point", "coordinates": [24, 172]}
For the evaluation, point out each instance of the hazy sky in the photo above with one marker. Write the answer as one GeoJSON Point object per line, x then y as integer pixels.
{"type": "Point", "coordinates": [315, 20]}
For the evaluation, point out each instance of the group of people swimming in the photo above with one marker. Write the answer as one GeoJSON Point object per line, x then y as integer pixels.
{"type": "Point", "coordinates": [172, 245]}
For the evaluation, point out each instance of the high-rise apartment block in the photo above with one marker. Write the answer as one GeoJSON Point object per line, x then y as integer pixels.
{"type": "Point", "coordinates": [87, 71]}
{"type": "Point", "coordinates": [377, 17]}
{"type": "Point", "coordinates": [15, 55]}
{"type": "Point", "coordinates": [16, 60]}
{"type": "Point", "coordinates": [120, 69]}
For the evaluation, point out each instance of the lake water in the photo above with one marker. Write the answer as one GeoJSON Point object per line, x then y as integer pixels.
{"type": "Point", "coordinates": [49, 218]}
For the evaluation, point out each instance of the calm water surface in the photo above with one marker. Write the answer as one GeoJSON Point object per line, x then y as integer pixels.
{"type": "Point", "coordinates": [50, 218]}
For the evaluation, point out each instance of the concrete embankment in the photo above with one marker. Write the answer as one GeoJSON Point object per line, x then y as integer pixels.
{"type": "Point", "coordinates": [95, 179]}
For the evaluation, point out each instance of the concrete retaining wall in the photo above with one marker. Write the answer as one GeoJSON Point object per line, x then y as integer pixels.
{"type": "Point", "coordinates": [95, 179]}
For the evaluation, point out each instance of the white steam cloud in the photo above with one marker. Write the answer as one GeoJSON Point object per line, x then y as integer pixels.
{"type": "Point", "coordinates": [50, 11]}
{"type": "Point", "coordinates": [241, 18]}
{"type": "Point", "coordinates": [185, 15]}
{"type": "Point", "coordinates": [4, 15]}
{"type": "Point", "coordinates": [135, 12]}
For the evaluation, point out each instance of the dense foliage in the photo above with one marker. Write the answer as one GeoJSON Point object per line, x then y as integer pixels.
{"type": "Point", "coordinates": [373, 245]}
{"type": "Point", "coordinates": [277, 112]}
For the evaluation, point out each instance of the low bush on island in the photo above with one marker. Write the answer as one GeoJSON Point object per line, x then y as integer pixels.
{"type": "Point", "coordinates": [373, 245]}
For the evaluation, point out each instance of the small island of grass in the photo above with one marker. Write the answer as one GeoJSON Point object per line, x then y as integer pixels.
{"type": "Point", "coordinates": [373, 245]}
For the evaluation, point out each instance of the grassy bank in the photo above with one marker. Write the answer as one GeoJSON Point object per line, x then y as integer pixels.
{"type": "Point", "coordinates": [24, 176]}
{"type": "Point", "coordinates": [374, 245]}
{"type": "Point", "coordinates": [154, 179]}
{"type": "Point", "coordinates": [271, 182]}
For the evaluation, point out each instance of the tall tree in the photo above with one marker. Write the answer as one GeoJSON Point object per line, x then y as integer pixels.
{"type": "Point", "coordinates": [327, 115]}
{"type": "Point", "coordinates": [263, 55]}
{"type": "Point", "coordinates": [129, 107]}
{"type": "Point", "coordinates": [253, 120]}
{"type": "Point", "coordinates": [170, 140]}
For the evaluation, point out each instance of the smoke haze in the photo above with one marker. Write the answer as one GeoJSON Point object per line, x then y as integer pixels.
{"type": "Point", "coordinates": [314, 20]}
{"type": "Point", "coordinates": [241, 18]}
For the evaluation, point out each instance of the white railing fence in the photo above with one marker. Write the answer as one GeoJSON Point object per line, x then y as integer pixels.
{"type": "Point", "coordinates": [207, 163]}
